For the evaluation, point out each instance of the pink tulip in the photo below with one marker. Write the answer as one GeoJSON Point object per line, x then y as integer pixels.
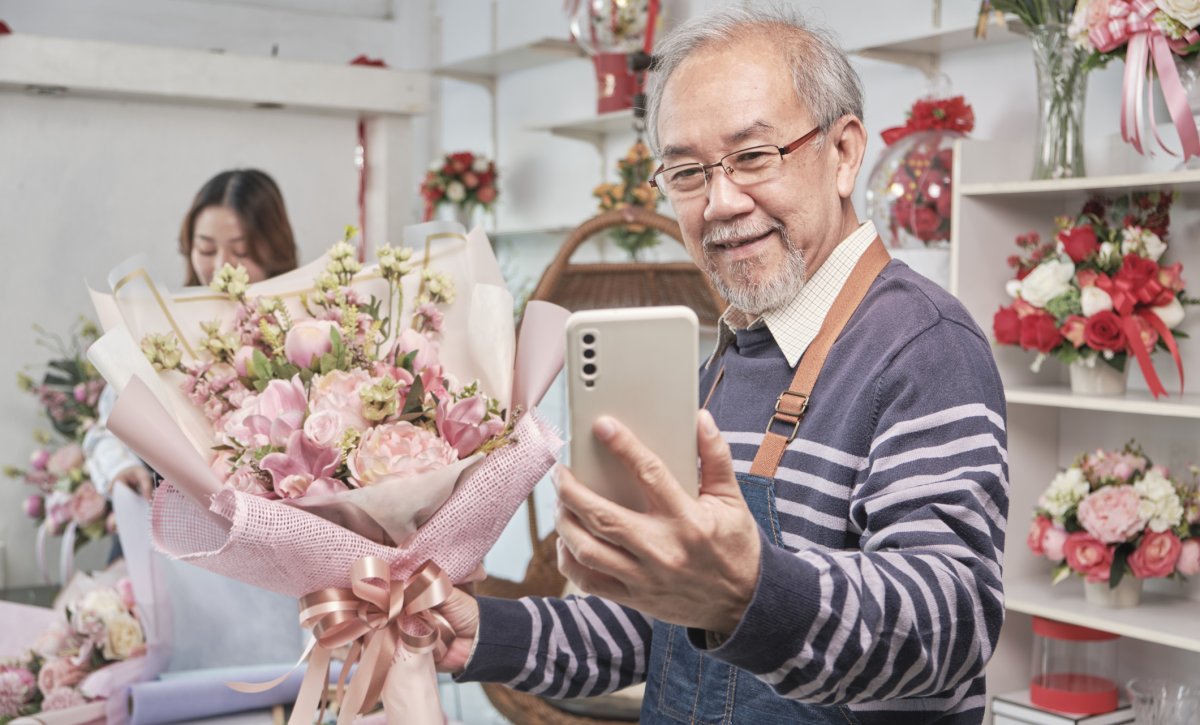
{"type": "Point", "coordinates": [307, 341]}
{"type": "Point", "coordinates": [463, 426]}
{"type": "Point", "coordinates": [39, 458]}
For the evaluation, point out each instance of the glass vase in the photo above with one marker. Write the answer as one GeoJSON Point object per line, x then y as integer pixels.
{"type": "Point", "coordinates": [1062, 88]}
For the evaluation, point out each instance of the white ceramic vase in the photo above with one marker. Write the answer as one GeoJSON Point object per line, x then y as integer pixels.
{"type": "Point", "coordinates": [1098, 379]}
{"type": "Point", "coordinates": [1126, 594]}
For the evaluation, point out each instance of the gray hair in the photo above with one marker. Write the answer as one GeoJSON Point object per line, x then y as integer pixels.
{"type": "Point", "coordinates": [824, 79]}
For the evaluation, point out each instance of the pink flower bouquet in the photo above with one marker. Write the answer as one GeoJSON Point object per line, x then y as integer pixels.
{"type": "Point", "coordinates": [99, 639]}
{"type": "Point", "coordinates": [1114, 513]}
{"type": "Point", "coordinates": [356, 438]}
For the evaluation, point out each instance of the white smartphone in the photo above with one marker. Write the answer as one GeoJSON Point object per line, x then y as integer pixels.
{"type": "Point", "coordinates": [639, 366]}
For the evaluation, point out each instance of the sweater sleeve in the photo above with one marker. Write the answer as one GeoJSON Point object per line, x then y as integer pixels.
{"type": "Point", "coordinates": [569, 647]}
{"type": "Point", "coordinates": [916, 610]}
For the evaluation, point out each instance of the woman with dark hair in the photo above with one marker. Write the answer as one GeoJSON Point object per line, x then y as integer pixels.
{"type": "Point", "coordinates": [237, 217]}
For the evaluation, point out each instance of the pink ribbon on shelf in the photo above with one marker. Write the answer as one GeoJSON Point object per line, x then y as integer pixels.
{"type": "Point", "coordinates": [1132, 23]}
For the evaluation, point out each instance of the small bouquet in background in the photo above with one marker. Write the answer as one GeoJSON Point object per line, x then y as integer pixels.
{"type": "Point", "coordinates": [464, 180]}
{"type": "Point", "coordinates": [101, 629]}
{"type": "Point", "coordinates": [64, 502]}
{"type": "Point", "coordinates": [633, 190]}
{"type": "Point", "coordinates": [1114, 513]}
{"type": "Point", "coordinates": [1098, 293]}
{"type": "Point", "coordinates": [1155, 39]}
{"type": "Point", "coordinates": [910, 189]}
{"type": "Point", "coordinates": [354, 437]}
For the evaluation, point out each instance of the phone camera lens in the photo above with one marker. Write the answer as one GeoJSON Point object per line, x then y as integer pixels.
{"type": "Point", "coordinates": [589, 353]}
{"type": "Point", "coordinates": [589, 339]}
{"type": "Point", "coordinates": [589, 369]}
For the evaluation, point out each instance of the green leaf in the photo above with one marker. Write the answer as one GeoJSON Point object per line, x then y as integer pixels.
{"type": "Point", "coordinates": [335, 335]}
{"type": "Point", "coordinates": [415, 401]}
{"type": "Point", "coordinates": [1117, 572]}
{"type": "Point", "coordinates": [261, 366]}
{"type": "Point", "coordinates": [1062, 571]}
{"type": "Point", "coordinates": [406, 362]}
{"type": "Point", "coordinates": [328, 363]}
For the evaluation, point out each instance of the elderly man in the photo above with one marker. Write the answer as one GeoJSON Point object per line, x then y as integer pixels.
{"type": "Point", "coordinates": [869, 591]}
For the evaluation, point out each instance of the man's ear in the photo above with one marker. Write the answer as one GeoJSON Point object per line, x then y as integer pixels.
{"type": "Point", "coordinates": [849, 138]}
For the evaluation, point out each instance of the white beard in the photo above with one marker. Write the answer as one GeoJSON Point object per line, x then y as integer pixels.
{"type": "Point", "coordinates": [775, 288]}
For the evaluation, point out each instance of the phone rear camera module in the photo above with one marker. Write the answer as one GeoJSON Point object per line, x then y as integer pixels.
{"type": "Point", "coordinates": [589, 338]}
{"type": "Point", "coordinates": [589, 353]}
{"type": "Point", "coordinates": [589, 369]}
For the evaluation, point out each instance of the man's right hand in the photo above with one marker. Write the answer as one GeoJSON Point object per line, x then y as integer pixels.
{"type": "Point", "coordinates": [462, 612]}
{"type": "Point", "coordinates": [139, 479]}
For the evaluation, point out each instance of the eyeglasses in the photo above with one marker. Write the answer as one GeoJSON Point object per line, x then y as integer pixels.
{"type": "Point", "coordinates": [745, 167]}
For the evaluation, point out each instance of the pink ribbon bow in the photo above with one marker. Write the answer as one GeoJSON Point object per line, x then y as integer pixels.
{"type": "Point", "coordinates": [1132, 22]}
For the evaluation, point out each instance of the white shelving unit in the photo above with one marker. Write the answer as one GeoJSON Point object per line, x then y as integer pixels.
{"type": "Point", "coordinates": [1048, 426]}
{"type": "Point", "coordinates": [593, 129]}
{"type": "Point", "coordinates": [924, 52]}
{"type": "Point", "coordinates": [485, 69]}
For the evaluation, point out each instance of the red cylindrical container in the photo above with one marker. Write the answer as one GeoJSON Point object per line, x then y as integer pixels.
{"type": "Point", "coordinates": [614, 82]}
{"type": "Point", "coordinates": [1074, 668]}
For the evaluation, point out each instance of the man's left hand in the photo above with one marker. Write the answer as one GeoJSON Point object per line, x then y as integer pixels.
{"type": "Point", "coordinates": [688, 561]}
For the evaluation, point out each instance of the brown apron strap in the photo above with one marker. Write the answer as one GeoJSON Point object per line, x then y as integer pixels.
{"type": "Point", "coordinates": [790, 407]}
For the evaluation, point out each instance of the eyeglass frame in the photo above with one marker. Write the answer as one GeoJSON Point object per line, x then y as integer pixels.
{"type": "Point", "coordinates": [706, 168]}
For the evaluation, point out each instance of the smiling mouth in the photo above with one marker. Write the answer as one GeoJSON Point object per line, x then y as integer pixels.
{"type": "Point", "coordinates": [737, 243]}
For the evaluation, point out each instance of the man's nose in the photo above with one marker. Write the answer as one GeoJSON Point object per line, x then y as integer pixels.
{"type": "Point", "coordinates": [725, 198]}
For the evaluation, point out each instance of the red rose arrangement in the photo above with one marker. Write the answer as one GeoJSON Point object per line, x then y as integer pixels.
{"type": "Point", "coordinates": [1115, 512]}
{"type": "Point", "coordinates": [463, 179]}
{"type": "Point", "coordinates": [916, 186]}
{"type": "Point", "coordinates": [1098, 292]}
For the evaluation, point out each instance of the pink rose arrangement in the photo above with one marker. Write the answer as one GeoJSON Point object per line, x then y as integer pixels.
{"type": "Point", "coordinates": [1098, 293]}
{"type": "Point", "coordinates": [339, 399]}
{"type": "Point", "coordinates": [63, 501]}
{"type": "Point", "coordinates": [1114, 513]}
{"type": "Point", "coordinates": [102, 627]}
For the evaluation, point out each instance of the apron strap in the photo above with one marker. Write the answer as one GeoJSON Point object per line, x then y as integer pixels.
{"type": "Point", "coordinates": [791, 404]}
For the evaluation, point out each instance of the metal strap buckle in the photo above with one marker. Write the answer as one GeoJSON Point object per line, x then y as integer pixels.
{"type": "Point", "coordinates": [788, 417]}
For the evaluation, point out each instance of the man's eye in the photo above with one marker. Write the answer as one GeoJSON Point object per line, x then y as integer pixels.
{"type": "Point", "coordinates": [685, 174]}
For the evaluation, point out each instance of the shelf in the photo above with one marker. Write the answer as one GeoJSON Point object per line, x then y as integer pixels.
{"type": "Point", "coordinates": [923, 52]}
{"type": "Point", "coordinates": [1159, 618]}
{"type": "Point", "coordinates": [1063, 188]}
{"type": "Point", "coordinates": [1134, 402]}
{"type": "Point", "coordinates": [56, 66]}
{"type": "Point", "coordinates": [484, 69]}
{"type": "Point", "coordinates": [593, 129]}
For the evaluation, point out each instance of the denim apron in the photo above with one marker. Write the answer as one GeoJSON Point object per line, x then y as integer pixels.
{"type": "Point", "coordinates": [684, 685]}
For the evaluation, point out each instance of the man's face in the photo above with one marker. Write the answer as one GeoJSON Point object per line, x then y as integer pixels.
{"type": "Point", "coordinates": [754, 241]}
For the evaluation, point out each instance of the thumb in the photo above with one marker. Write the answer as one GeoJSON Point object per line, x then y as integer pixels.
{"type": "Point", "coordinates": [716, 462]}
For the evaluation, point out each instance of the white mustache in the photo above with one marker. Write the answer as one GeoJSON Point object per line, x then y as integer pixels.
{"type": "Point", "coordinates": [735, 231]}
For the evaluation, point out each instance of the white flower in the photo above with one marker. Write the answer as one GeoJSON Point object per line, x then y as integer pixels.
{"type": "Point", "coordinates": [437, 164]}
{"type": "Point", "coordinates": [1077, 31]}
{"type": "Point", "coordinates": [1160, 504]}
{"type": "Point", "coordinates": [1047, 281]}
{"type": "Point", "coordinates": [1185, 11]}
{"type": "Point", "coordinates": [455, 191]}
{"type": "Point", "coordinates": [1107, 251]}
{"type": "Point", "coordinates": [1066, 491]}
{"type": "Point", "coordinates": [1013, 288]}
{"type": "Point", "coordinates": [1093, 300]}
{"type": "Point", "coordinates": [124, 637]}
{"type": "Point", "coordinates": [1143, 242]}
{"type": "Point", "coordinates": [101, 603]}
{"type": "Point", "coordinates": [1171, 313]}
{"type": "Point", "coordinates": [480, 166]}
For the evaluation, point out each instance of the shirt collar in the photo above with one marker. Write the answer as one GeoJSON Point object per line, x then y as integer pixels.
{"type": "Point", "coordinates": [795, 325]}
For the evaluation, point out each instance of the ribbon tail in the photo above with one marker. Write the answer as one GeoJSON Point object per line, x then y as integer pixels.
{"type": "Point", "coordinates": [364, 691]}
{"type": "Point", "coordinates": [1176, 98]}
{"type": "Point", "coordinates": [1161, 328]}
{"type": "Point", "coordinates": [1133, 341]}
{"type": "Point", "coordinates": [253, 688]}
{"type": "Point", "coordinates": [312, 689]}
{"type": "Point", "coordinates": [39, 550]}
{"type": "Point", "coordinates": [1132, 93]}
{"type": "Point", "coordinates": [66, 555]}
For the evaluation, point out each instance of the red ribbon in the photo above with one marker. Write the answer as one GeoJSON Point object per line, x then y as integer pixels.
{"type": "Point", "coordinates": [1125, 299]}
{"type": "Point", "coordinates": [950, 114]}
{"type": "Point", "coordinates": [361, 153]}
{"type": "Point", "coordinates": [4, 29]}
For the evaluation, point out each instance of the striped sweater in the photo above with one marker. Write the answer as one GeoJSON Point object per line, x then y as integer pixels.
{"type": "Point", "coordinates": [886, 593]}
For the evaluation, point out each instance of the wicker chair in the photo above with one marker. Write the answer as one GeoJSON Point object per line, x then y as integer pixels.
{"type": "Point", "coordinates": [577, 286]}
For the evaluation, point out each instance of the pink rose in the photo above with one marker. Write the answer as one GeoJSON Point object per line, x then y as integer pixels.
{"type": "Point", "coordinates": [34, 506]}
{"type": "Point", "coordinates": [463, 426]}
{"type": "Point", "coordinates": [15, 691]}
{"type": "Point", "coordinates": [396, 451]}
{"type": "Point", "coordinates": [1088, 556]}
{"type": "Point", "coordinates": [340, 393]}
{"type": "Point", "coordinates": [62, 698]}
{"type": "Point", "coordinates": [269, 417]}
{"type": "Point", "coordinates": [1156, 555]}
{"type": "Point", "coordinates": [59, 672]}
{"type": "Point", "coordinates": [1111, 514]}
{"type": "Point", "coordinates": [246, 480]}
{"type": "Point", "coordinates": [87, 505]}
{"type": "Point", "coordinates": [1052, 543]}
{"type": "Point", "coordinates": [324, 429]}
{"type": "Point", "coordinates": [65, 459]}
{"type": "Point", "coordinates": [125, 589]}
{"type": "Point", "coordinates": [1037, 533]}
{"type": "Point", "coordinates": [1189, 558]}
{"type": "Point", "coordinates": [38, 459]}
{"type": "Point", "coordinates": [307, 341]}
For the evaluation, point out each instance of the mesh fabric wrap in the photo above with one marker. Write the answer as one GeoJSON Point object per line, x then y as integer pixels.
{"type": "Point", "coordinates": [286, 550]}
